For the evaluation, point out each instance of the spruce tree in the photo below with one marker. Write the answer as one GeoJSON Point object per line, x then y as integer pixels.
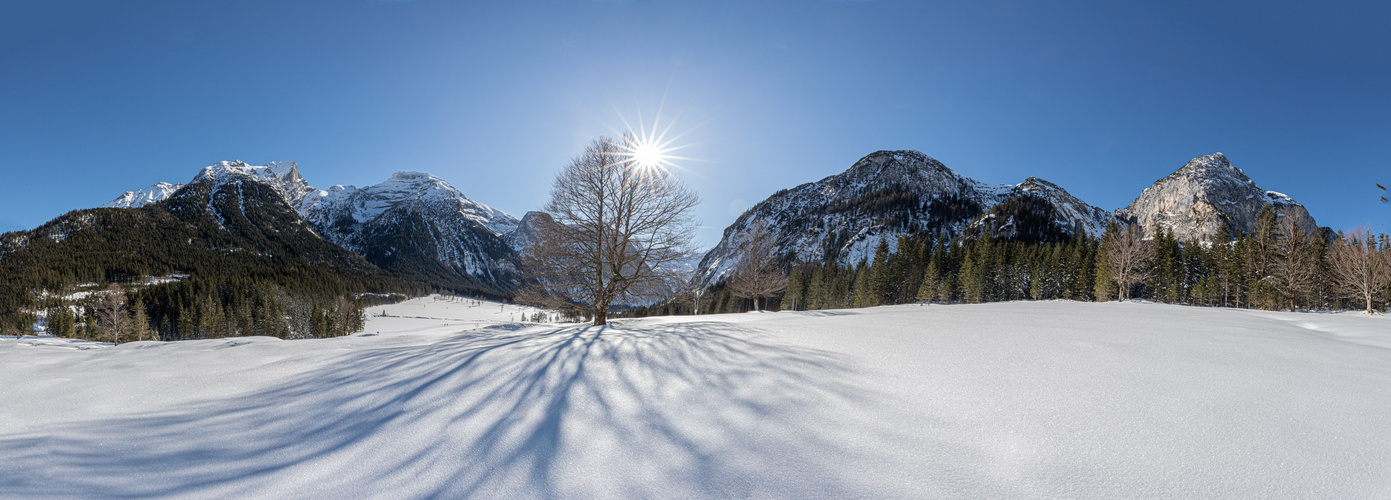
{"type": "Point", "coordinates": [880, 276]}
{"type": "Point", "coordinates": [862, 289]}
{"type": "Point", "coordinates": [930, 289]}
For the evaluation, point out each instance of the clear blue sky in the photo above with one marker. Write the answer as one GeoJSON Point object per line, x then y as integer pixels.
{"type": "Point", "coordinates": [1103, 98]}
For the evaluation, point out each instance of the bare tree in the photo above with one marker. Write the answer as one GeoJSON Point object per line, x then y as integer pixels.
{"type": "Point", "coordinates": [1359, 269]}
{"type": "Point", "coordinates": [1129, 256]}
{"type": "Point", "coordinates": [617, 230]}
{"type": "Point", "coordinates": [111, 312]}
{"type": "Point", "coordinates": [757, 274]}
{"type": "Point", "coordinates": [1296, 261]}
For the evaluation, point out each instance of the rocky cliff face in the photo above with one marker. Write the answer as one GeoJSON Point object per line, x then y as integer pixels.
{"type": "Point", "coordinates": [1207, 194]}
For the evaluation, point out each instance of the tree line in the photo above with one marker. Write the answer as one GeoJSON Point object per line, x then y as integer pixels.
{"type": "Point", "coordinates": [1278, 266]}
{"type": "Point", "coordinates": [230, 280]}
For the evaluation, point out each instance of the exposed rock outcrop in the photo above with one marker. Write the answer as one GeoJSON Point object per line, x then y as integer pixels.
{"type": "Point", "coordinates": [1207, 194]}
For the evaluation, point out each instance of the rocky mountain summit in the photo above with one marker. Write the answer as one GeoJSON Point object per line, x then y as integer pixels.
{"type": "Point", "coordinates": [1205, 195]}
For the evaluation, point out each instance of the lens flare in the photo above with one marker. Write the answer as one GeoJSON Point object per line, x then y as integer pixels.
{"type": "Point", "coordinates": [649, 152]}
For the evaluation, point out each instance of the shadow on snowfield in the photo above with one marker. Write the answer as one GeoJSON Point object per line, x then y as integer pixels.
{"type": "Point", "coordinates": [695, 409]}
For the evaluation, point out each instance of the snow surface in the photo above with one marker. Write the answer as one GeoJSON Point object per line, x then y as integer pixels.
{"type": "Point", "coordinates": [1017, 400]}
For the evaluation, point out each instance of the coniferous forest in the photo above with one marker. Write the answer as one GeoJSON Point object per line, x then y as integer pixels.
{"type": "Point", "coordinates": [1277, 267]}
{"type": "Point", "coordinates": [188, 268]}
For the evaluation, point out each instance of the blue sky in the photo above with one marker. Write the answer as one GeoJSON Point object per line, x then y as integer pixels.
{"type": "Point", "coordinates": [1102, 98]}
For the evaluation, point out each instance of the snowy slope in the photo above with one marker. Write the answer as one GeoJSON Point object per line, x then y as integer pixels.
{"type": "Point", "coordinates": [884, 195]}
{"type": "Point", "coordinates": [419, 214]}
{"type": "Point", "coordinates": [413, 189]}
{"type": "Point", "coordinates": [1003, 400]}
{"type": "Point", "coordinates": [139, 198]}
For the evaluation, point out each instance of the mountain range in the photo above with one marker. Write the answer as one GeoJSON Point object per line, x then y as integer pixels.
{"type": "Point", "coordinates": [413, 224]}
{"type": "Point", "coordinates": [417, 225]}
{"type": "Point", "coordinates": [888, 194]}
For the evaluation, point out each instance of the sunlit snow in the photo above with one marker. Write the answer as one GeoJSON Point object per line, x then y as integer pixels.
{"type": "Point", "coordinates": [453, 399]}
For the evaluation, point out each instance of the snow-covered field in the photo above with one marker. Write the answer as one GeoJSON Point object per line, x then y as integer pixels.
{"type": "Point", "coordinates": [1021, 400]}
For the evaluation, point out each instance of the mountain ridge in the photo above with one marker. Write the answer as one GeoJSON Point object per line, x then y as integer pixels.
{"type": "Point", "coordinates": [459, 242]}
{"type": "Point", "coordinates": [882, 196]}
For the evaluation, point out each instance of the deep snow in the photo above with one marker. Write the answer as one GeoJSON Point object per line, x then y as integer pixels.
{"type": "Point", "coordinates": [1023, 399]}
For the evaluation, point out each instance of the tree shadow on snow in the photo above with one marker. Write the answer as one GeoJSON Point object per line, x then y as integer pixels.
{"type": "Point", "coordinates": [694, 409]}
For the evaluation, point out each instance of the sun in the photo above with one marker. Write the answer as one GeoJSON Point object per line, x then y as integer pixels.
{"type": "Point", "coordinates": [649, 151]}
{"type": "Point", "coordinates": [646, 155]}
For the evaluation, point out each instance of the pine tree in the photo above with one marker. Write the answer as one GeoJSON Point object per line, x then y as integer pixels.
{"type": "Point", "coordinates": [795, 297]}
{"type": "Point", "coordinates": [862, 289]}
{"type": "Point", "coordinates": [1166, 277]}
{"type": "Point", "coordinates": [972, 275]}
{"type": "Point", "coordinates": [931, 287]}
{"type": "Point", "coordinates": [880, 276]}
{"type": "Point", "coordinates": [139, 322]}
{"type": "Point", "coordinates": [61, 322]}
{"type": "Point", "coordinates": [1297, 265]}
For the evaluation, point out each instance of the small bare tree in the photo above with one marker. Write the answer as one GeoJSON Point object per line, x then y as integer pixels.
{"type": "Point", "coordinates": [111, 313]}
{"type": "Point", "coordinates": [616, 230]}
{"type": "Point", "coordinates": [1129, 255]}
{"type": "Point", "coordinates": [757, 274]}
{"type": "Point", "coordinates": [1359, 269]}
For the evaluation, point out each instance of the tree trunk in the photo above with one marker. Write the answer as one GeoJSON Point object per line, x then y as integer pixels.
{"type": "Point", "coordinates": [755, 304]}
{"type": "Point", "coordinates": [601, 316]}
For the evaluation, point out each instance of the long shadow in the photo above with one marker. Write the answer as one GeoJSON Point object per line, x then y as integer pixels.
{"type": "Point", "coordinates": [693, 409]}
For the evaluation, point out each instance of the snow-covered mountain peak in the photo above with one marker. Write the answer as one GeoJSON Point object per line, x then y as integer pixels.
{"type": "Point", "coordinates": [411, 176]}
{"type": "Point", "coordinates": [283, 176]}
{"type": "Point", "coordinates": [148, 196]}
{"type": "Point", "coordinates": [417, 185]}
{"type": "Point", "coordinates": [355, 216]}
{"type": "Point", "coordinates": [1037, 185]}
{"type": "Point", "coordinates": [882, 167]}
{"type": "Point", "coordinates": [1212, 170]}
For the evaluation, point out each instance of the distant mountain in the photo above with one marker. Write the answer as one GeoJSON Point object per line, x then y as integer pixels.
{"type": "Point", "coordinates": [888, 194]}
{"type": "Point", "coordinates": [226, 224]}
{"type": "Point", "coordinates": [413, 224]}
{"type": "Point", "coordinates": [247, 263]}
{"type": "Point", "coordinates": [142, 197]}
{"type": "Point", "coordinates": [1206, 194]}
{"type": "Point", "coordinates": [418, 223]}
{"type": "Point", "coordinates": [525, 231]}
